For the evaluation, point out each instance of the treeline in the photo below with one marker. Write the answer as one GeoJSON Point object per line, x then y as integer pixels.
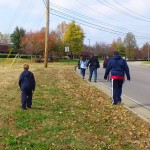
{"type": "Point", "coordinates": [72, 35]}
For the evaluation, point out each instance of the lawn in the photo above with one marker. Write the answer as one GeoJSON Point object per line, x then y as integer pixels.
{"type": "Point", "coordinates": [67, 113]}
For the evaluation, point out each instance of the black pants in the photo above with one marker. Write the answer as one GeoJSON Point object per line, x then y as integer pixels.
{"type": "Point", "coordinates": [26, 99]}
{"type": "Point", "coordinates": [117, 90]}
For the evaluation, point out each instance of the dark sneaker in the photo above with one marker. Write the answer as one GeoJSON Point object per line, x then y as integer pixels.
{"type": "Point", "coordinates": [114, 103]}
{"type": "Point", "coordinates": [89, 80]}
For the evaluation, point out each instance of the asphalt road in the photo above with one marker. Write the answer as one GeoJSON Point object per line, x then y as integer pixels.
{"type": "Point", "coordinates": [138, 89]}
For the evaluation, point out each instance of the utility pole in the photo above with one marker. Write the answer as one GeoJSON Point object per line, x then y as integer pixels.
{"type": "Point", "coordinates": [46, 34]}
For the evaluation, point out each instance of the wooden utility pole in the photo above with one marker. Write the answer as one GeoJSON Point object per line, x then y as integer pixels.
{"type": "Point", "coordinates": [46, 34]}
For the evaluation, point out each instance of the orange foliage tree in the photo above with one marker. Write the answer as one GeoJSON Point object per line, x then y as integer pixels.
{"type": "Point", "coordinates": [34, 43]}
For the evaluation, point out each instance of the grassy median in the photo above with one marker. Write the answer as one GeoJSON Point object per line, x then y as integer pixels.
{"type": "Point", "coordinates": [67, 113]}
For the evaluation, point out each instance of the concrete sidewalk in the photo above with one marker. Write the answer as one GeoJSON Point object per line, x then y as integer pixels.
{"type": "Point", "coordinates": [127, 102]}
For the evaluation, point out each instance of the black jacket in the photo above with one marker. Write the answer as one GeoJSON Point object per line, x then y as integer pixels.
{"type": "Point", "coordinates": [93, 62]}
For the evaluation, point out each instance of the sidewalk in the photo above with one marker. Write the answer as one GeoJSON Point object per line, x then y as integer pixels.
{"type": "Point", "coordinates": [129, 103]}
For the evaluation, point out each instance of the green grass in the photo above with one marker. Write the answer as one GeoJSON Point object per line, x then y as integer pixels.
{"type": "Point", "coordinates": [146, 62]}
{"type": "Point", "coordinates": [67, 113]}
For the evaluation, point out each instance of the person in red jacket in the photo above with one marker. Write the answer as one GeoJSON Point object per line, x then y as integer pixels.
{"type": "Point", "coordinates": [118, 68]}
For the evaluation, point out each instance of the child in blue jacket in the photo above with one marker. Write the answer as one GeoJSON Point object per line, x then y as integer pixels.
{"type": "Point", "coordinates": [27, 86]}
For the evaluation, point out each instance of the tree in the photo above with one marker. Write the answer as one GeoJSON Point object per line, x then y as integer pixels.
{"type": "Point", "coordinates": [4, 38]}
{"type": "Point", "coordinates": [56, 47]}
{"type": "Point", "coordinates": [34, 42]}
{"type": "Point", "coordinates": [61, 28]}
{"type": "Point", "coordinates": [16, 38]}
{"type": "Point", "coordinates": [101, 49]}
{"type": "Point", "coordinates": [120, 47]}
{"type": "Point", "coordinates": [145, 50]}
{"type": "Point", "coordinates": [73, 37]}
{"type": "Point", "coordinates": [130, 45]}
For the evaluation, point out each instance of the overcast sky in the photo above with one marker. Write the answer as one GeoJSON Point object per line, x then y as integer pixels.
{"type": "Point", "coordinates": [101, 20]}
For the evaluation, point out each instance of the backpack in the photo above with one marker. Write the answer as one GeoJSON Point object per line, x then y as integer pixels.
{"type": "Point", "coordinates": [96, 64]}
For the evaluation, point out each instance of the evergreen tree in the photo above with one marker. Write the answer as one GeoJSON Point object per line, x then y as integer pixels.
{"type": "Point", "coordinates": [16, 38]}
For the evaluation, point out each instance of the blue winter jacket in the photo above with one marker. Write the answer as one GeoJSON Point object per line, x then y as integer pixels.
{"type": "Point", "coordinates": [27, 81]}
{"type": "Point", "coordinates": [118, 68]}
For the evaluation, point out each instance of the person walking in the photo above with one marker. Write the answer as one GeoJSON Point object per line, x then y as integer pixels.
{"type": "Point", "coordinates": [118, 68]}
{"type": "Point", "coordinates": [93, 64]}
{"type": "Point", "coordinates": [106, 60]}
{"type": "Point", "coordinates": [27, 86]}
{"type": "Point", "coordinates": [83, 65]}
{"type": "Point", "coordinates": [79, 66]}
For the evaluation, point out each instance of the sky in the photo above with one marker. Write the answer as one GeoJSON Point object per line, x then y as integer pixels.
{"type": "Point", "coordinates": [102, 21]}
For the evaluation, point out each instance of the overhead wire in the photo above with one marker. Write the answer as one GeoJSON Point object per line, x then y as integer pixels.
{"type": "Point", "coordinates": [85, 5]}
{"type": "Point", "coordinates": [85, 17]}
{"type": "Point", "coordinates": [85, 22]}
{"type": "Point", "coordinates": [28, 11]}
{"type": "Point", "coordinates": [15, 16]}
{"type": "Point", "coordinates": [130, 9]}
{"type": "Point", "coordinates": [61, 14]}
{"type": "Point", "coordinates": [104, 15]}
{"type": "Point", "coordinates": [92, 19]}
{"type": "Point", "coordinates": [121, 11]}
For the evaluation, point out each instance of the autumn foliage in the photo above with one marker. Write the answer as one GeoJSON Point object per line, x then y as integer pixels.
{"type": "Point", "coordinates": [34, 42]}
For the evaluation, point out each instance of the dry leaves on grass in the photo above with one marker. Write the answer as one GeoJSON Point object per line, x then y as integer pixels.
{"type": "Point", "coordinates": [121, 124]}
{"type": "Point", "coordinates": [84, 113]}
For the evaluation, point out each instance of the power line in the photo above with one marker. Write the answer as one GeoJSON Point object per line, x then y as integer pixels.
{"type": "Point", "coordinates": [91, 19]}
{"type": "Point", "coordinates": [130, 10]}
{"type": "Point", "coordinates": [28, 11]}
{"type": "Point", "coordinates": [87, 18]}
{"type": "Point", "coordinates": [15, 16]}
{"type": "Point", "coordinates": [89, 24]}
{"type": "Point", "coordinates": [85, 5]}
{"type": "Point", "coordinates": [121, 11]}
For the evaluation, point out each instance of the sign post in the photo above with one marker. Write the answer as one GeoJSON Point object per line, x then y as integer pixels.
{"type": "Point", "coordinates": [67, 51]}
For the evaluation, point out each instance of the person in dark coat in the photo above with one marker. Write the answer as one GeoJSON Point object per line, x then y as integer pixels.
{"type": "Point", "coordinates": [27, 86]}
{"type": "Point", "coordinates": [118, 68]}
{"type": "Point", "coordinates": [105, 62]}
{"type": "Point", "coordinates": [93, 64]}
